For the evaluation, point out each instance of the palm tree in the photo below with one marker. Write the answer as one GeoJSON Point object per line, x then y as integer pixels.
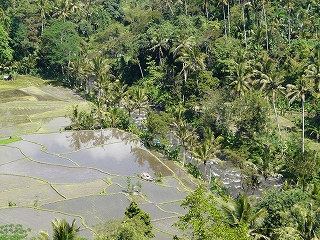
{"type": "Point", "coordinates": [303, 85]}
{"type": "Point", "coordinates": [78, 71]}
{"type": "Point", "coordinates": [240, 78]}
{"type": "Point", "coordinates": [62, 230]}
{"type": "Point", "coordinates": [63, 9]}
{"type": "Point", "coordinates": [308, 222]}
{"type": "Point", "coordinates": [42, 5]}
{"type": "Point", "coordinates": [183, 133]}
{"type": "Point", "coordinates": [271, 79]}
{"type": "Point", "coordinates": [192, 59]}
{"type": "Point", "coordinates": [99, 66]}
{"type": "Point", "coordinates": [242, 211]}
{"type": "Point", "coordinates": [207, 150]}
{"type": "Point", "coordinates": [160, 44]}
{"type": "Point", "coordinates": [140, 97]}
{"type": "Point", "coordinates": [120, 91]}
{"type": "Point", "coordinates": [128, 103]}
{"type": "Point", "coordinates": [313, 70]}
{"type": "Point", "coordinates": [206, 4]}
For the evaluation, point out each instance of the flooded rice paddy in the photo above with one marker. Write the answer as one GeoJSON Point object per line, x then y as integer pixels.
{"type": "Point", "coordinates": [78, 175]}
{"type": "Point", "coordinates": [83, 175]}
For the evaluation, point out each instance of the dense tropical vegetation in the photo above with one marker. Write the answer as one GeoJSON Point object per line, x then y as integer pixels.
{"type": "Point", "coordinates": [226, 77]}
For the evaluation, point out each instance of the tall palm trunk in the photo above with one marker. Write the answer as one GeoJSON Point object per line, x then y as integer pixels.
{"type": "Point", "coordinates": [228, 17]}
{"type": "Point", "coordinates": [244, 25]}
{"type": "Point", "coordinates": [224, 20]}
{"type": "Point", "coordinates": [303, 101]}
{"type": "Point", "coordinates": [277, 121]}
{"type": "Point", "coordinates": [266, 25]}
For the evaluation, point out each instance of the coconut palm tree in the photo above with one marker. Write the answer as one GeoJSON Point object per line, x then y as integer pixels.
{"type": "Point", "coordinates": [64, 8]}
{"type": "Point", "coordinates": [224, 3]}
{"type": "Point", "coordinates": [99, 66]}
{"type": "Point", "coordinates": [140, 97]}
{"type": "Point", "coordinates": [271, 79]}
{"type": "Point", "coordinates": [240, 78]}
{"type": "Point", "coordinates": [159, 44]}
{"type": "Point", "coordinates": [192, 59]}
{"type": "Point", "coordinates": [183, 132]}
{"type": "Point", "coordinates": [62, 230]}
{"type": "Point", "coordinates": [128, 103]}
{"type": "Point", "coordinates": [299, 90]}
{"type": "Point", "coordinates": [42, 5]}
{"type": "Point", "coordinates": [242, 211]}
{"type": "Point", "coordinates": [206, 150]}
{"type": "Point", "coordinates": [313, 70]}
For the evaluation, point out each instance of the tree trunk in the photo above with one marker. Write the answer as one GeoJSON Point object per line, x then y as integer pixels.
{"type": "Point", "coordinates": [277, 121]}
{"type": "Point", "coordinates": [183, 155]}
{"type": "Point", "coordinates": [229, 17]}
{"type": "Point", "coordinates": [140, 69]}
{"type": "Point", "coordinates": [224, 21]}
{"type": "Point", "coordinates": [244, 26]}
{"type": "Point", "coordinates": [266, 25]}
{"type": "Point", "coordinates": [303, 100]}
{"type": "Point", "coordinates": [186, 6]}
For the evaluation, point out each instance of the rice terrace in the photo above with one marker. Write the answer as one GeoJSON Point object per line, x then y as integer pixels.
{"type": "Point", "coordinates": [47, 172]}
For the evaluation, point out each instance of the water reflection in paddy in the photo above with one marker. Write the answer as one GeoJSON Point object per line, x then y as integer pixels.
{"type": "Point", "coordinates": [120, 158]}
{"type": "Point", "coordinates": [65, 142]}
{"type": "Point", "coordinates": [111, 151]}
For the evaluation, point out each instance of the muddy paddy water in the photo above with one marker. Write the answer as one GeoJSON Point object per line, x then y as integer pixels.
{"type": "Point", "coordinates": [83, 175]}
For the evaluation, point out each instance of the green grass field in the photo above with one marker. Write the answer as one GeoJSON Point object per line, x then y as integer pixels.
{"type": "Point", "coordinates": [9, 140]}
{"type": "Point", "coordinates": [28, 104]}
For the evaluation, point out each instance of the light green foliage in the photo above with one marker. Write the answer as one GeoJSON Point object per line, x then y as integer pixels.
{"type": "Point", "coordinates": [250, 114]}
{"type": "Point", "coordinates": [136, 225]}
{"type": "Point", "coordinates": [13, 232]}
{"type": "Point", "coordinates": [204, 221]}
{"type": "Point", "coordinates": [5, 50]}
{"type": "Point", "coordinates": [62, 230]}
{"type": "Point", "coordinates": [158, 124]}
{"type": "Point", "coordinates": [277, 204]}
{"type": "Point", "coordinates": [300, 167]}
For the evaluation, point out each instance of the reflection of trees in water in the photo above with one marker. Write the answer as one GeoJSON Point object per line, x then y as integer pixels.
{"type": "Point", "coordinates": [79, 138]}
{"type": "Point", "coordinates": [101, 137]}
{"type": "Point", "coordinates": [97, 138]}
{"type": "Point", "coordinates": [122, 136]}
{"type": "Point", "coordinates": [138, 156]}
{"type": "Point", "coordinates": [141, 157]}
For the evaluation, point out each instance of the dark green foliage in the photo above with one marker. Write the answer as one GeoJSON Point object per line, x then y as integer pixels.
{"type": "Point", "coordinates": [300, 167]}
{"type": "Point", "coordinates": [60, 43]}
{"type": "Point", "coordinates": [113, 9]}
{"type": "Point", "coordinates": [250, 115]}
{"type": "Point", "coordinates": [158, 124]}
{"type": "Point", "coordinates": [194, 170]}
{"type": "Point", "coordinates": [132, 210]}
{"type": "Point", "coordinates": [13, 232]}
{"type": "Point", "coordinates": [136, 225]}
{"type": "Point", "coordinates": [277, 202]}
